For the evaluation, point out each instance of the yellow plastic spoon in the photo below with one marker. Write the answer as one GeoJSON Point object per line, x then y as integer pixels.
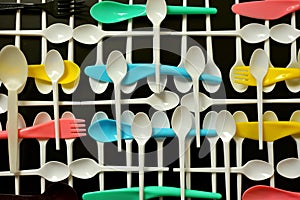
{"type": "Point", "coordinates": [272, 130]}
{"type": "Point", "coordinates": [72, 71]}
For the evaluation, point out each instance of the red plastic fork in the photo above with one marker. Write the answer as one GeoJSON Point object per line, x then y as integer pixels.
{"type": "Point", "coordinates": [69, 128]}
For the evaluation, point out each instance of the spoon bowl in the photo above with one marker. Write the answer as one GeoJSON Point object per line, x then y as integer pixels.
{"type": "Point", "coordinates": [254, 33]}
{"type": "Point", "coordinates": [58, 33]}
{"type": "Point", "coordinates": [289, 168]}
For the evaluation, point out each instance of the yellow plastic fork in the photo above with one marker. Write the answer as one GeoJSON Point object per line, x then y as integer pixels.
{"type": "Point", "coordinates": [272, 130]}
{"type": "Point", "coordinates": [71, 73]}
{"type": "Point", "coordinates": [242, 75]}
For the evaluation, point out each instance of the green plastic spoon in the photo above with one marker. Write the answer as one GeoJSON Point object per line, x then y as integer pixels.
{"type": "Point", "coordinates": [112, 12]}
{"type": "Point", "coordinates": [149, 193]}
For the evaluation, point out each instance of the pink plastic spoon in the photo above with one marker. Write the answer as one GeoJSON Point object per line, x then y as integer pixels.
{"type": "Point", "coordinates": [263, 192]}
{"type": "Point", "coordinates": [266, 10]}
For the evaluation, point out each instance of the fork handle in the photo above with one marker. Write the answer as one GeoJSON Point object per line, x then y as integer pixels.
{"type": "Point", "coordinates": [16, 6]}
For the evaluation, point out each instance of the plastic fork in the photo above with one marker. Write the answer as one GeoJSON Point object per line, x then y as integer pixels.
{"type": "Point", "coordinates": [273, 130]}
{"type": "Point", "coordinates": [56, 8]}
{"type": "Point", "coordinates": [242, 75]}
{"type": "Point", "coordinates": [69, 128]}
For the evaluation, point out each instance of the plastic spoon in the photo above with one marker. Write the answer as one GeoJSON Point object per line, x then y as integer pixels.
{"type": "Point", "coordinates": [13, 74]}
{"type": "Point", "coordinates": [160, 120]}
{"type": "Point", "coordinates": [289, 168]}
{"type": "Point", "coordinates": [54, 67]}
{"type": "Point", "coordinates": [141, 130]}
{"type": "Point", "coordinates": [209, 122]}
{"type": "Point", "coordinates": [181, 124]}
{"type": "Point", "coordinates": [259, 64]}
{"type": "Point", "coordinates": [284, 33]}
{"type": "Point", "coordinates": [3, 103]}
{"type": "Point", "coordinates": [267, 10]}
{"type": "Point", "coordinates": [116, 69]}
{"type": "Point", "coordinates": [112, 12]}
{"type": "Point", "coordinates": [225, 127]}
{"type": "Point", "coordinates": [194, 65]}
{"type": "Point", "coordinates": [156, 11]}
{"type": "Point", "coordinates": [261, 192]}
{"type": "Point", "coordinates": [127, 117]}
{"type": "Point", "coordinates": [56, 33]}
{"type": "Point", "coordinates": [150, 193]}
{"type": "Point", "coordinates": [296, 118]}
{"type": "Point", "coordinates": [52, 171]}
{"type": "Point", "coordinates": [256, 170]}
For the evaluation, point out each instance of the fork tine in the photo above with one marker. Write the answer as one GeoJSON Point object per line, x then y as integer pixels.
{"type": "Point", "coordinates": [78, 131]}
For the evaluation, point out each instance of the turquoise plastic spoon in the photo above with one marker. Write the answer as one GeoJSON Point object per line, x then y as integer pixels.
{"type": "Point", "coordinates": [104, 130]}
{"type": "Point", "coordinates": [139, 71]}
{"type": "Point", "coordinates": [149, 193]}
{"type": "Point", "coordinates": [112, 12]}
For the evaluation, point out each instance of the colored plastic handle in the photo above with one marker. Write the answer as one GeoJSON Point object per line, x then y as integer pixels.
{"type": "Point", "coordinates": [104, 130]}
{"type": "Point", "coordinates": [149, 193]}
{"type": "Point", "coordinates": [139, 71]}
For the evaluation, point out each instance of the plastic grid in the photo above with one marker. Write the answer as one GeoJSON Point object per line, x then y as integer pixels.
{"type": "Point", "coordinates": [221, 50]}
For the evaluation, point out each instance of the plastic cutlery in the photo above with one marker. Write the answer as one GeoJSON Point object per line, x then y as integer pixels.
{"type": "Point", "coordinates": [261, 192]}
{"type": "Point", "coordinates": [71, 73]}
{"type": "Point", "coordinates": [150, 192]}
{"type": "Point", "coordinates": [225, 127]}
{"type": "Point", "coordinates": [156, 11]}
{"type": "Point", "coordinates": [56, 191]}
{"type": "Point", "coordinates": [55, 33]}
{"type": "Point", "coordinates": [112, 12]}
{"type": "Point", "coordinates": [259, 64]}
{"type": "Point", "coordinates": [116, 69]}
{"type": "Point", "coordinates": [70, 128]}
{"type": "Point", "coordinates": [256, 170]}
{"type": "Point", "coordinates": [281, 128]}
{"type": "Point", "coordinates": [194, 65]}
{"type": "Point", "coordinates": [267, 10]}
{"type": "Point", "coordinates": [141, 130]}
{"type": "Point", "coordinates": [296, 118]}
{"type": "Point", "coordinates": [181, 124]}
{"type": "Point", "coordinates": [13, 74]}
{"type": "Point", "coordinates": [104, 131]}
{"type": "Point", "coordinates": [289, 168]}
{"type": "Point", "coordinates": [138, 71]}
{"type": "Point", "coordinates": [3, 103]}
{"type": "Point", "coordinates": [54, 67]}
{"type": "Point", "coordinates": [242, 75]}
{"type": "Point", "coordinates": [284, 33]}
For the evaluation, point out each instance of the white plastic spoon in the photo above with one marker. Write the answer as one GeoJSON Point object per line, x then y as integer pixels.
{"type": "Point", "coordinates": [116, 69]}
{"type": "Point", "coordinates": [239, 116]}
{"type": "Point", "coordinates": [160, 120]}
{"type": "Point", "coordinates": [284, 33]}
{"type": "Point", "coordinates": [209, 122]}
{"type": "Point", "coordinates": [289, 168]}
{"type": "Point", "coordinates": [270, 116]}
{"type": "Point", "coordinates": [194, 65]}
{"type": "Point", "coordinates": [181, 124]}
{"type": "Point", "coordinates": [141, 130]}
{"type": "Point", "coordinates": [127, 117]}
{"type": "Point", "coordinates": [3, 103]}
{"type": "Point", "coordinates": [52, 171]}
{"type": "Point", "coordinates": [256, 170]}
{"type": "Point", "coordinates": [54, 67]}
{"type": "Point", "coordinates": [56, 33]}
{"type": "Point", "coordinates": [156, 11]}
{"type": "Point", "coordinates": [259, 64]}
{"type": "Point", "coordinates": [225, 127]}
{"type": "Point", "coordinates": [13, 74]}
{"type": "Point", "coordinates": [42, 117]}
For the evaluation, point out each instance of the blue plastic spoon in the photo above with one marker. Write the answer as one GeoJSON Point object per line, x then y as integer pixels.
{"type": "Point", "coordinates": [139, 71]}
{"type": "Point", "coordinates": [104, 130]}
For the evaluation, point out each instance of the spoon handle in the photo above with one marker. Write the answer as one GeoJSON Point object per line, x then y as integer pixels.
{"type": "Point", "coordinates": [181, 10]}
{"type": "Point", "coordinates": [12, 129]}
{"type": "Point", "coordinates": [56, 114]}
{"type": "Point", "coordinates": [227, 168]}
{"type": "Point", "coordinates": [141, 170]}
{"type": "Point", "coordinates": [259, 114]}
